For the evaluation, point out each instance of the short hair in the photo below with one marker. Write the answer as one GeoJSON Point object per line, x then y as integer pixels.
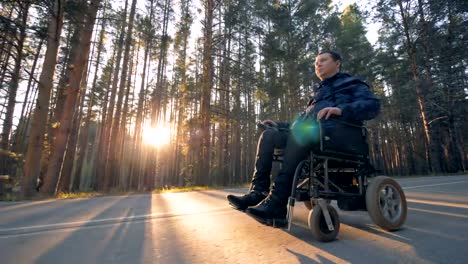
{"type": "Point", "coordinates": [335, 55]}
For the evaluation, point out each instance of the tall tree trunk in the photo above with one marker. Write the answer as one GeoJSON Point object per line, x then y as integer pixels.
{"type": "Point", "coordinates": [106, 131]}
{"type": "Point", "coordinates": [121, 155]}
{"type": "Point", "coordinates": [114, 154]}
{"type": "Point", "coordinates": [456, 161]}
{"type": "Point", "coordinates": [14, 82]}
{"type": "Point", "coordinates": [136, 165]}
{"type": "Point", "coordinates": [207, 84]}
{"type": "Point", "coordinates": [16, 145]}
{"type": "Point", "coordinates": [59, 97]}
{"type": "Point", "coordinates": [51, 179]}
{"type": "Point", "coordinates": [159, 94]}
{"type": "Point", "coordinates": [39, 122]}
{"type": "Point", "coordinates": [100, 168]}
{"type": "Point", "coordinates": [83, 138]}
{"type": "Point", "coordinates": [411, 51]}
{"type": "Point", "coordinates": [67, 167]}
{"type": "Point", "coordinates": [5, 53]}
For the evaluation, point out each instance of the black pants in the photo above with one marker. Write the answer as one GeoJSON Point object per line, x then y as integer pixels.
{"type": "Point", "coordinates": [294, 153]}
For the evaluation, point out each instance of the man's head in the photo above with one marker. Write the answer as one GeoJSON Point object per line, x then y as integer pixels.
{"type": "Point", "coordinates": [327, 64]}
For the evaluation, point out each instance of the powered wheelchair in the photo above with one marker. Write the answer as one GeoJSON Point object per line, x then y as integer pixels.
{"type": "Point", "coordinates": [339, 169]}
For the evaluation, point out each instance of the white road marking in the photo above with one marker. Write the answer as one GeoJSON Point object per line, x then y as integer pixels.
{"type": "Point", "coordinates": [455, 205]}
{"type": "Point", "coordinates": [438, 213]}
{"type": "Point", "coordinates": [431, 185]}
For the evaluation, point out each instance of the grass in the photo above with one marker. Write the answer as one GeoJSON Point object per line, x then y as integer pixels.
{"type": "Point", "coordinates": [183, 189]}
{"type": "Point", "coordinates": [10, 197]}
{"type": "Point", "coordinates": [77, 195]}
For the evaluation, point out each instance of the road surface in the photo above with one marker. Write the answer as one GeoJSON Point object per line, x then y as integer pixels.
{"type": "Point", "coordinates": [200, 227]}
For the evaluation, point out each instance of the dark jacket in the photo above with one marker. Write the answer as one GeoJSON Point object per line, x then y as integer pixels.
{"type": "Point", "coordinates": [349, 93]}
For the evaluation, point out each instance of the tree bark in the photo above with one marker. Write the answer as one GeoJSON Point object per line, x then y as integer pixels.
{"type": "Point", "coordinates": [51, 179]}
{"type": "Point", "coordinates": [114, 154]}
{"type": "Point", "coordinates": [38, 126]}
{"type": "Point", "coordinates": [69, 158]}
{"type": "Point", "coordinates": [83, 137]}
{"type": "Point", "coordinates": [15, 78]}
{"type": "Point", "coordinates": [106, 131]}
{"type": "Point", "coordinates": [207, 84]}
{"type": "Point", "coordinates": [20, 134]}
{"type": "Point", "coordinates": [411, 51]}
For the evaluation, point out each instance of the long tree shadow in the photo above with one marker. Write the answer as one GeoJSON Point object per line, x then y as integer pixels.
{"type": "Point", "coordinates": [29, 215]}
{"type": "Point", "coordinates": [103, 241]}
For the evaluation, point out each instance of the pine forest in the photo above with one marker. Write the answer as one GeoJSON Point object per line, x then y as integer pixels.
{"type": "Point", "coordinates": [138, 95]}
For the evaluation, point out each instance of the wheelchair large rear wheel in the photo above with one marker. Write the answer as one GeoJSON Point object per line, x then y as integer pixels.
{"type": "Point", "coordinates": [386, 203]}
{"type": "Point", "coordinates": [318, 225]}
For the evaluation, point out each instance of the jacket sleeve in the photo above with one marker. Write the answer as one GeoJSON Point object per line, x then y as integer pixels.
{"type": "Point", "coordinates": [365, 105]}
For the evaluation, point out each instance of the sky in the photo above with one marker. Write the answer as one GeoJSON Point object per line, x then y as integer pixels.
{"type": "Point", "coordinates": [372, 28]}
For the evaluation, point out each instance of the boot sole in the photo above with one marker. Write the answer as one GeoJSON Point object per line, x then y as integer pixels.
{"type": "Point", "coordinates": [237, 208]}
{"type": "Point", "coordinates": [273, 222]}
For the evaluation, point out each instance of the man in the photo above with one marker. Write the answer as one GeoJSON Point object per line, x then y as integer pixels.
{"type": "Point", "coordinates": [340, 96]}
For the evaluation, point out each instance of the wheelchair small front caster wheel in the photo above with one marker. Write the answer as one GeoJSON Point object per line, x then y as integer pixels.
{"type": "Point", "coordinates": [318, 224]}
{"type": "Point", "coordinates": [310, 205]}
{"type": "Point", "coordinates": [386, 203]}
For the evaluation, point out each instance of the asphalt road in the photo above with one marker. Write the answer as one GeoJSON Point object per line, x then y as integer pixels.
{"type": "Point", "coordinates": [200, 227]}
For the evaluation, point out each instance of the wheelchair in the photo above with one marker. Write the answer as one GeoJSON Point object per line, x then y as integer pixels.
{"type": "Point", "coordinates": [339, 169]}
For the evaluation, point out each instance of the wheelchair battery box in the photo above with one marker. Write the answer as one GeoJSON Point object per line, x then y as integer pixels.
{"type": "Point", "coordinates": [343, 138]}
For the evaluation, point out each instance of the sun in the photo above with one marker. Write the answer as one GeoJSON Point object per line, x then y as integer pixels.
{"type": "Point", "coordinates": [156, 136]}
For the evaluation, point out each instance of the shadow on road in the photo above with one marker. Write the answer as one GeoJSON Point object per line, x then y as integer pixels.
{"type": "Point", "coordinates": [303, 259]}
{"type": "Point", "coordinates": [96, 243]}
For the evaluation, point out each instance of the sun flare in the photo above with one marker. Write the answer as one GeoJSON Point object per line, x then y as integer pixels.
{"type": "Point", "coordinates": [156, 136]}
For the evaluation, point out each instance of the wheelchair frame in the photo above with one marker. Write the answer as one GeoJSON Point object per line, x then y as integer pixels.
{"type": "Point", "coordinates": [320, 189]}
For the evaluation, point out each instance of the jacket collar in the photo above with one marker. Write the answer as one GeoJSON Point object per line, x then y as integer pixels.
{"type": "Point", "coordinates": [335, 77]}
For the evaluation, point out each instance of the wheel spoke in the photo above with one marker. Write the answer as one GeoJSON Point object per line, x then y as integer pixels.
{"type": "Point", "coordinates": [392, 210]}
{"type": "Point", "coordinates": [389, 192]}
{"type": "Point", "coordinates": [386, 211]}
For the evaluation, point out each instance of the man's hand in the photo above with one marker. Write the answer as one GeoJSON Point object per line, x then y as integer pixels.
{"type": "Point", "coordinates": [327, 112]}
{"type": "Point", "coordinates": [269, 122]}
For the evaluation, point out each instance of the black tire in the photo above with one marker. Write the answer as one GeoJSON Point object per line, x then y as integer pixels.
{"type": "Point", "coordinates": [318, 225]}
{"type": "Point", "coordinates": [386, 203]}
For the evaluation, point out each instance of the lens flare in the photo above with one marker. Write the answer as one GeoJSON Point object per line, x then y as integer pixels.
{"type": "Point", "coordinates": [306, 131]}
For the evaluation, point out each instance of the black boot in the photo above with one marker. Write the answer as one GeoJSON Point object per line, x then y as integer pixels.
{"type": "Point", "coordinates": [270, 211]}
{"type": "Point", "coordinates": [242, 202]}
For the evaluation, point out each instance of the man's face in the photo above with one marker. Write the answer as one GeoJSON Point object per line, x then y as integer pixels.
{"type": "Point", "coordinates": [325, 66]}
